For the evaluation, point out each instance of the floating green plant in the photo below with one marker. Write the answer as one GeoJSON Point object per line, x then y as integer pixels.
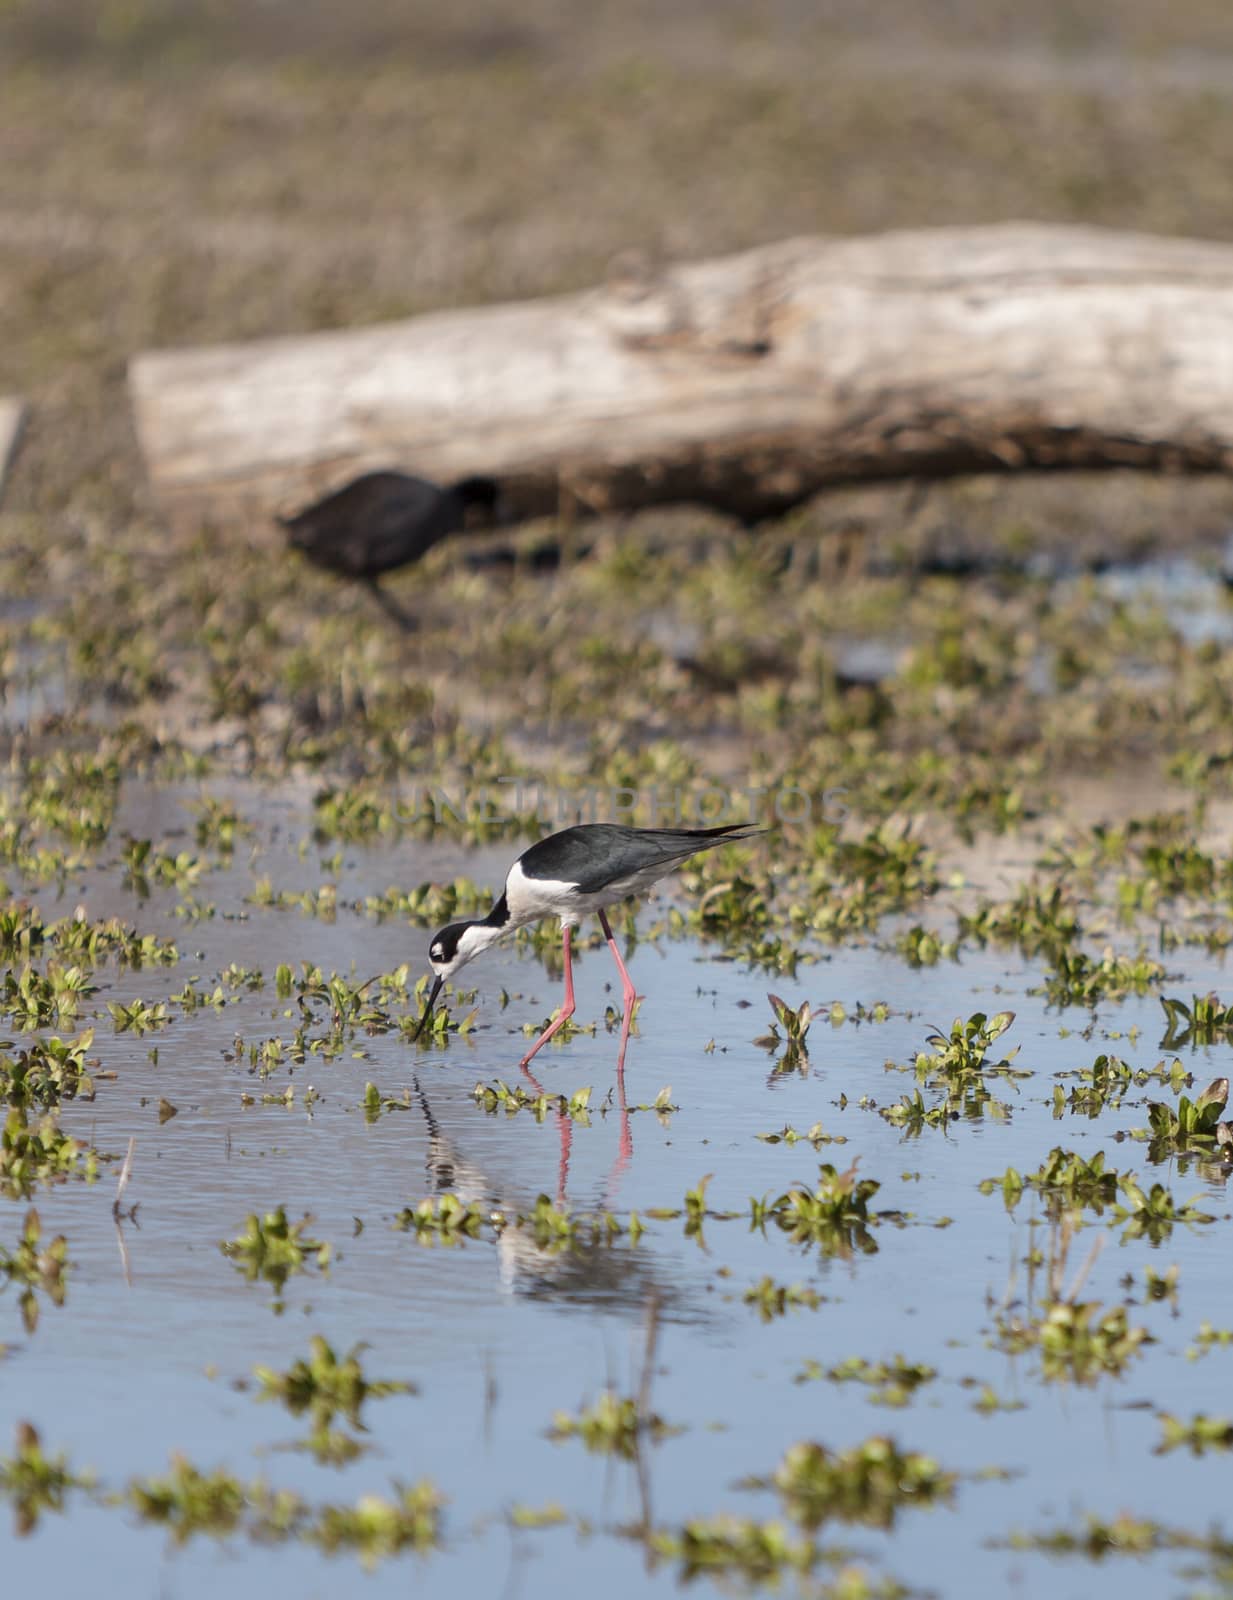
{"type": "Point", "coordinates": [34, 1481]}
{"type": "Point", "coordinates": [36, 1268]}
{"type": "Point", "coordinates": [444, 1217]}
{"type": "Point", "coordinates": [833, 1214]}
{"type": "Point", "coordinates": [48, 1072]}
{"type": "Point", "coordinates": [614, 1425]}
{"type": "Point", "coordinates": [41, 1154]}
{"type": "Point", "coordinates": [498, 1096]}
{"type": "Point", "coordinates": [1152, 1213]}
{"type": "Point", "coordinates": [327, 1387]}
{"type": "Point", "coordinates": [777, 1299]}
{"type": "Point", "coordinates": [273, 1249]}
{"type": "Point", "coordinates": [892, 1382]}
{"type": "Point", "coordinates": [1206, 1020]}
{"type": "Point", "coordinates": [962, 1055]}
{"type": "Point", "coordinates": [1192, 1124]}
{"type": "Point", "coordinates": [870, 1483]}
{"type": "Point", "coordinates": [1198, 1435]}
{"type": "Point", "coordinates": [1078, 1341]}
{"type": "Point", "coordinates": [1065, 1179]}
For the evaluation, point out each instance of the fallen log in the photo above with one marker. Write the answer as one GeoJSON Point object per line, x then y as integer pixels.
{"type": "Point", "coordinates": [12, 419]}
{"type": "Point", "coordinates": [748, 382]}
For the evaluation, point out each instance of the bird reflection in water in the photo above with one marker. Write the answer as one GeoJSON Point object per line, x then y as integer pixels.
{"type": "Point", "coordinates": [585, 1271]}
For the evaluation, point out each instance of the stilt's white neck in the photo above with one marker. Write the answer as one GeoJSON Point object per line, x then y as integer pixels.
{"type": "Point", "coordinates": [478, 937]}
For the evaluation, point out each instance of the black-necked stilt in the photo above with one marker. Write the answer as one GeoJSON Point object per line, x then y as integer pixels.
{"type": "Point", "coordinates": [384, 520]}
{"type": "Point", "coordinates": [570, 875]}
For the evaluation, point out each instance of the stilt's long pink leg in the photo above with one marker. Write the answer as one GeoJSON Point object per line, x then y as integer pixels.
{"type": "Point", "coordinates": [566, 1011]}
{"type": "Point", "coordinates": [627, 983]}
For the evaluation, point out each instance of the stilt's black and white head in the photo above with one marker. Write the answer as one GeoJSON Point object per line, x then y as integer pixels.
{"type": "Point", "coordinates": [450, 951]}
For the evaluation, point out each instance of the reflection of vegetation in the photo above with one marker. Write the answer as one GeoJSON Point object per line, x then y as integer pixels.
{"type": "Point", "coordinates": [274, 1249]}
{"type": "Point", "coordinates": [614, 1425]}
{"type": "Point", "coordinates": [34, 1481]}
{"type": "Point", "coordinates": [327, 1388]}
{"type": "Point", "coordinates": [833, 1214]}
{"type": "Point", "coordinates": [891, 1383]}
{"type": "Point", "coordinates": [1206, 1020]}
{"type": "Point", "coordinates": [870, 1483]}
{"type": "Point", "coordinates": [36, 1267]}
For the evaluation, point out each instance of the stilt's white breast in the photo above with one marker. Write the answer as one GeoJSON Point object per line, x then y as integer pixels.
{"type": "Point", "coordinates": [529, 899]}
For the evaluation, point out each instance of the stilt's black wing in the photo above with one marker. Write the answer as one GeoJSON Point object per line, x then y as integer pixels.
{"type": "Point", "coordinates": [593, 855]}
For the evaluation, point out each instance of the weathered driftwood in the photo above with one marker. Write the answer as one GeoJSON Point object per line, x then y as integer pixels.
{"type": "Point", "coordinates": [747, 382]}
{"type": "Point", "coordinates": [12, 418]}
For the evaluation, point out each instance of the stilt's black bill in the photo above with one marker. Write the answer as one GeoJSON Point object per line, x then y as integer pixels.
{"type": "Point", "coordinates": [432, 1000]}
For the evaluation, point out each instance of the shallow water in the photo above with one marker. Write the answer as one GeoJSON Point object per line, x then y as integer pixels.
{"type": "Point", "coordinates": [159, 1327]}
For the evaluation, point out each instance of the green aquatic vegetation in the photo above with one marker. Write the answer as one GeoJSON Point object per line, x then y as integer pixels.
{"type": "Point", "coordinates": [552, 1515]}
{"type": "Point", "coordinates": [795, 1023]}
{"type": "Point", "coordinates": [141, 863]}
{"type": "Point", "coordinates": [188, 1502]}
{"type": "Point", "coordinates": [1199, 1435]}
{"type": "Point", "coordinates": [36, 1482]}
{"type": "Point", "coordinates": [1195, 1122]}
{"type": "Point", "coordinates": [848, 885]}
{"type": "Point", "coordinates": [219, 825]}
{"type": "Point", "coordinates": [1036, 919]}
{"type": "Point", "coordinates": [554, 1227]}
{"type": "Point", "coordinates": [1076, 979]}
{"type": "Point", "coordinates": [238, 977]}
{"type": "Point", "coordinates": [444, 1217]}
{"type": "Point", "coordinates": [321, 902]}
{"type": "Point", "coordinates": [431, 905]}
{"type": "Point", "coordinates": [376, 1527]}
{"type": "Point", "coordinates": [374, 1102]}
{"type": "Point", "coordinates": [892, 1382]}
{"type": "Point", "coordinates": [961, 1056]}
{"type": "Point", "coordinates": [1125, 1535]}
{"type": "Point", "coordinates": [1208, 1339]}
{"type": "Point", "coordinates": [568, 1030]}
{"type": "Point", "coordinates": [1065, 1179]}
{"type": "Point", "coordinates": [777, 1299]}
{"type": "Point", "coordinates": [72, 794]}
{"type": "Point", "coordinates": [815, 1135]}
{"type": "Point", "coordinates": [351, 815]}
{"type": "Point", "coordinates": [498, 1096]}
{"type": "Point", "coordinates": [36, 1268]}
{"type": "Point", "coordinates": [24, 934]}
{"type": "Point", "coordinates": [138, 1016]}
{"type": "Point", "coordinates": [1162, 1285]}
{"type": "Point", "coordinates": [1152, 1214]}
{"type": "Point", "coordinates": [325, 1387]}
{"type": "Point", "coordinates": [273, 1249]}
{"type": "Point", "coordinates": [50, 1071]}
{"type": "Point", "coordinates": [191, 998]}
{"type": "Point", "coordinates": [923, 947]}
{"type": "Point", "coordinates": [436, 1027]}
{"type": "Point", "coordinates": [40, 1154]}
{"type": "Point", "coordinates": [870, 1483]}
{"type": "Point", "coordinates": [1078, 1341]}
{"type": "Point", "coordinates": [989, 1402]}
{"type": "Point", "coordinates": [1206, 1020]}
{"type": "Point", "coordinates": [36, 999]}
{"type": "Point", "coordinates": [1101, 1085]}
{"type": "Point", "coordinates": [912, 1114]}
{"type": "Point", "coordinates": [1180, 869]}
{"type": "Point", "coordinates": [833, 1214]}
{"type": "Point", "coordinates": [757, 1552]}
{"type": "Point", "coordinates": [614, 1425]}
